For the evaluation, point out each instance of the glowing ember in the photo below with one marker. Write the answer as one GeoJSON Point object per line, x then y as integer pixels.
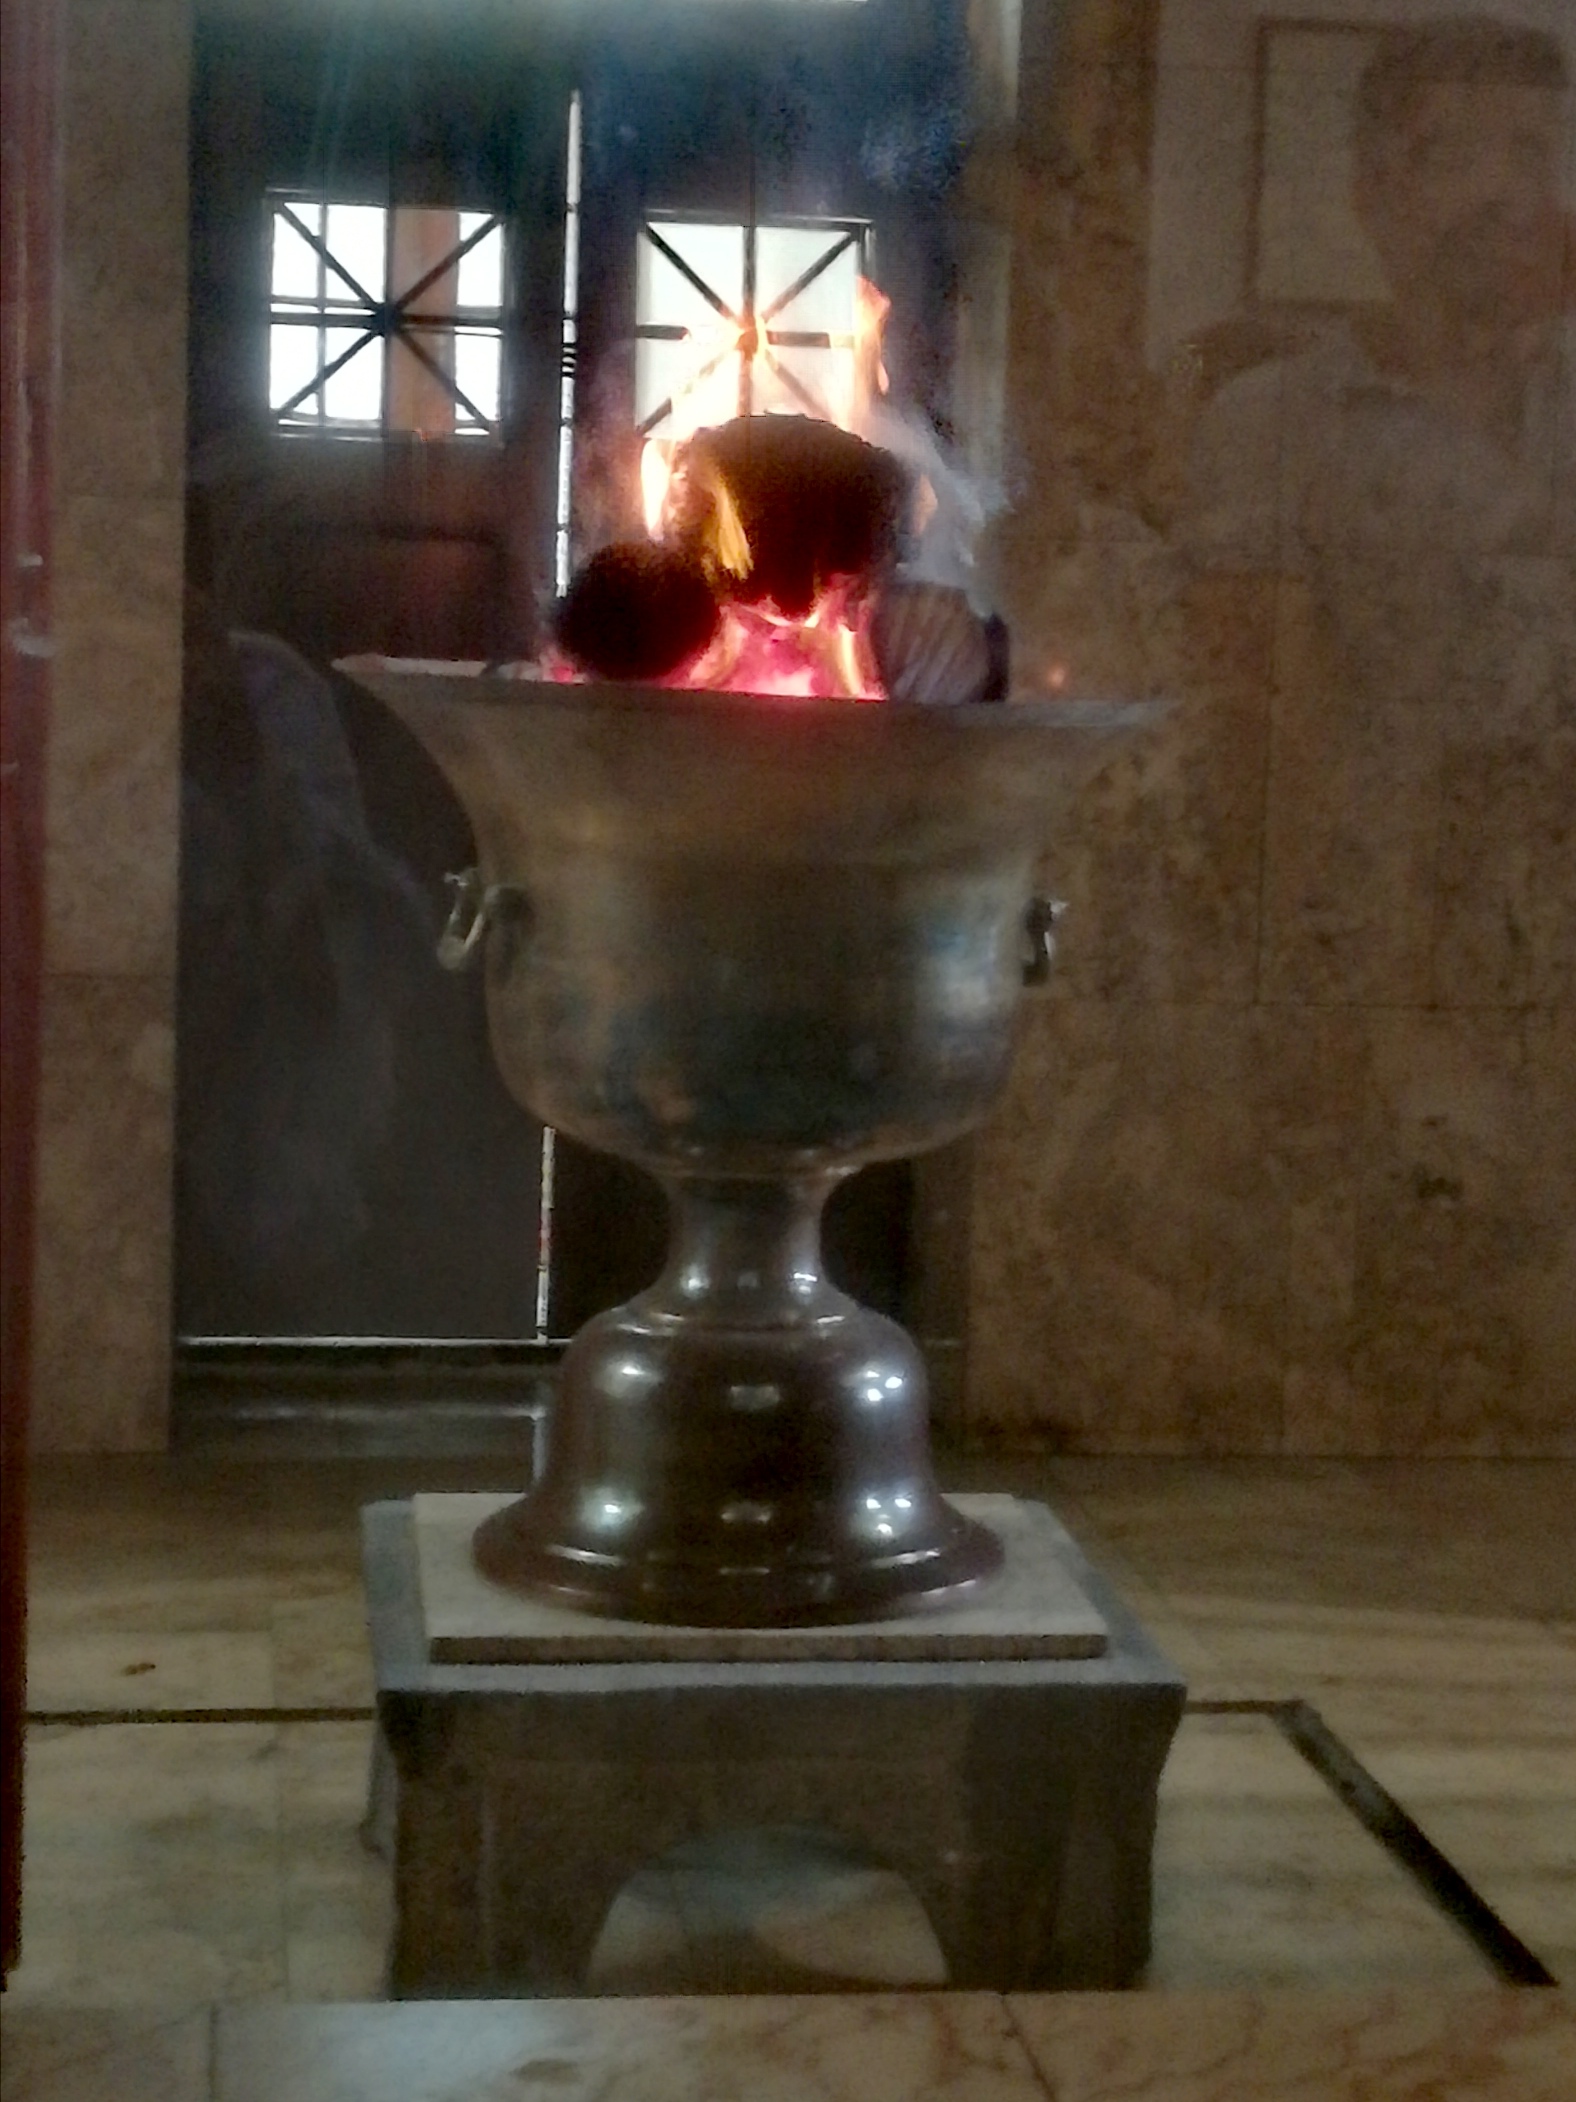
{"type": "Point", "coordinates": [827, 655]}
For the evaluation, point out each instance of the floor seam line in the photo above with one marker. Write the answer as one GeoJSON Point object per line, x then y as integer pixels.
{"type": "Point", "coordinates": [1386, 1820]}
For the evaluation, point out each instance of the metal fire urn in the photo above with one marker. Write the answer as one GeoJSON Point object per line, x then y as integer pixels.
{"type": "Point", "coordinates": [751, 944]}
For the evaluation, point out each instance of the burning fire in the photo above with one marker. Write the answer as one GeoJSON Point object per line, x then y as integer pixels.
{"type": "Point", "coordinates": [759, 648]}
{"type": "Point", "coordinates": [771, 562]}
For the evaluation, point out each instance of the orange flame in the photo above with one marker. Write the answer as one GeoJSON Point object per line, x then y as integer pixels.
{"type": "Point", "coordinates": [826, 656]}
{"type": "Point", "coordinates": [756, 650]}
{"type": "Point", "coordinates": [868, 374]}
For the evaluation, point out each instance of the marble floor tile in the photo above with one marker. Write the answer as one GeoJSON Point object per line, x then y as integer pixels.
{"type": "Point", "coordinates": [142, 1544]}
{"type": "Point", "coordinates": [1489, 2046]}
{"type": "Point", "coordinates": [151, 1866]}
{"type": "Point", "coordinates": [1373, 1672]}
{"type": "Point", "coordinates": [88, 2055]}
{"type": "Point", "coordinates": [1262, 1878]}
{"type": "Point", "coordinates": [149, 1668]}
{"type": "Point", "coordinates": [321, 1654]}
{"type": "Point", "coordinates": [110, 1598]}
{"type": "Point", "coordinates": [337, 1893]}
{"type": "Point", "coordinates": [1505, 1815]}
{"type": "Point", "coordinates": [1179, 1640]}
{"type": "Point", "coordinates": [1505, 1525]}
{"type": "Point", "coordinates": [163, 1503]}
{"type": "Point", "coordinates": [314, 1506]}
{"type": "Point", "coordinates": [859, 2048]}
{"type": "Point", "coordinates": [1482, 1538]}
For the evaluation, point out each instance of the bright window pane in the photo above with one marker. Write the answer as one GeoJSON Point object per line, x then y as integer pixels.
{"type": "Point", "coordinates": [782, 255]}
{"type": "Point", "coordinates": [293, 274]}
{"type": "Point", "coordinates": [478, 369]}
{"type": "Point", "coordinates": [355, 237]}
{"type": "Point", "coordinates": [481, 271]}
{"type": "Point", "coordinates": [292, 365]}
{"type": "Point", "coordinates": [355, 393]}
{"type": "Point", "coordinates": [665, 297]}
{"type": "Point", "coordinates": [669, 371]}
{"type": "Point", "coordinates": [659, 369]}
{"type": "Point", "coordinates": [826, 375]}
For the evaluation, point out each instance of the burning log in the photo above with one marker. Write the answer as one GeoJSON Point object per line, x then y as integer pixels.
{"type": "Point", "coordinates": [777, 508]}
{"type": "Point", "coordinates": [776, 539]}
{"type": "Point", "coordinates": [637, 611]}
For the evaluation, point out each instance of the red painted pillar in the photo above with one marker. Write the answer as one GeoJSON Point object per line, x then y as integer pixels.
{"type": "Point", "coordinates": [29, 244]}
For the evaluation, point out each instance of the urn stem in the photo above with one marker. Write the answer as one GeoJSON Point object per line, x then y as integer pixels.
{"type": "Point", "coordinates": [746, 1253]}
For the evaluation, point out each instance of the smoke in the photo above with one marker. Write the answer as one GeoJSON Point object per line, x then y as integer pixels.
{"type": "Point", "coordinates": [954, 507]}
{"type": "Point", "coordinates": [917, 151]}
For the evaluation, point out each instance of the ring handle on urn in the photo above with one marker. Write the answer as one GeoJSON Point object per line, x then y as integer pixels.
{"type": "Point", "coordinates": [476, 906]}
{"type": "Point", "coordinates": [1039, 925]}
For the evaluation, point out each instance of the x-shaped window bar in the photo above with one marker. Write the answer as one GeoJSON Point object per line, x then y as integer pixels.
{"type": "Point", "coordinates": [386, 318]}
{"type": "Point", "coordinates": [755, 335]}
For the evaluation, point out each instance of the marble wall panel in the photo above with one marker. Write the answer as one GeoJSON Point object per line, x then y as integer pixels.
{"type": "Point", "coordinates": [103, 1298]}
{"type": "Point", "coordinates": [123, 383]}
{"type": "Point", "coordinates": [1464, 1294]}
{"type": "Point", "coordinates": [1354, 829]}
{"type": "Point", "coordinates": [1199, 204]}
{"type": "Point", "coordinates": [1163, 1218]}
{"type": "Point", "coordinates": [1504, 906]}
{"type": "Point", "coordinates": [1317, 1231]}
{"type": "Point", "coordinates": [102, 1323]}
{"type": "Point", "coordinates": [113, 797]}
{"type": "Point", "coordinates": [1160, 864]}
{"type": "Point", "coordinates": [123, 321]}
{"type": "Point", "coordinates": [1352, 814]}
{"type": "Point", "coordinates": [1418, 852]}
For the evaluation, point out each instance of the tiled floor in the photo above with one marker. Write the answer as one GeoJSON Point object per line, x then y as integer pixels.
{"type": "Point", "coordinates": [1428, 1611]}
{"type": "Point", "coordinates": [866, 2047]}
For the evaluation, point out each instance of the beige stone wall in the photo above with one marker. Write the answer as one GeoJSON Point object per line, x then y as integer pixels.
{"type": "Point", "coordinates": [1289, 1159]}
{"type": "Point", "coordinates": [103, 1309]}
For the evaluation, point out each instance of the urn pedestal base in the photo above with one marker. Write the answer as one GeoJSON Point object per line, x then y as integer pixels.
{"type": "Point", "coordinates": [1016, 1796]}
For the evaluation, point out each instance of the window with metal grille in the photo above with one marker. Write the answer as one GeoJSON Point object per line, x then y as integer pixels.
{"type": "Point", "coordinates": [734, 319]}
{"type": "Point", "coordinates": [384, 319]}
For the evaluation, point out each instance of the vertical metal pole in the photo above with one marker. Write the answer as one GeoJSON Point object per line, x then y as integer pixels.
{"type": "Point", "coordinates": [568, 344]}
{"type": "Point", "coordinates": [544, 1232]}
{"type": "Point", "coordinates": [747, 360]}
